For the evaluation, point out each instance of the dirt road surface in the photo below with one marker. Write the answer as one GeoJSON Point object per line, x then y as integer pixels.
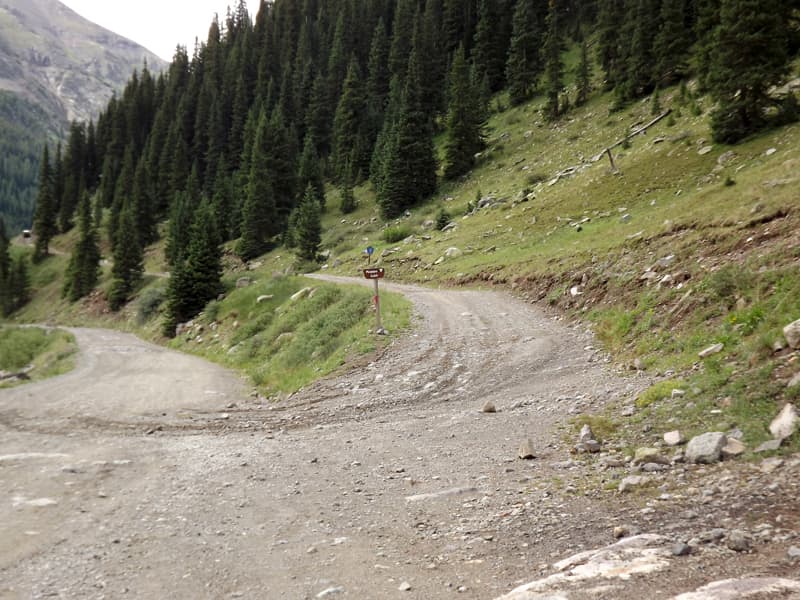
{"type": "Point", "coordinates": [145, 473]}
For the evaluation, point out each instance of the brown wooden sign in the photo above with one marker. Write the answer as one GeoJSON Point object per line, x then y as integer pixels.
{"type": "Point", "coordinates": [374, 273]}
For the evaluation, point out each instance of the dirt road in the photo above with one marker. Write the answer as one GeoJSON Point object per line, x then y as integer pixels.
{"type": "Point", "coordinates": [145, 473]}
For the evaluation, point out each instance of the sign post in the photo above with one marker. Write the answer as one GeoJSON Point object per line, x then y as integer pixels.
{"type": "Point", "coordinates": [369, 252]}
{"type": "Point", "coordinates": [375, 275]}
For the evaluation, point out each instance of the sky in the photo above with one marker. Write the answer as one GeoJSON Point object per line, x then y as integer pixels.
{"type": "Point", "coordinates": [158, 25]}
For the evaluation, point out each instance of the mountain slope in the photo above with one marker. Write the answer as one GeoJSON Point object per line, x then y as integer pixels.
{"type": "Point", "coordinates": [55, 67]}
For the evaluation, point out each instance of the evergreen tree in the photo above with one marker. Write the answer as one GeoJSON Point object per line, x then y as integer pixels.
{"type": "Point", "coordinates": [584, 79]}
{"type": "Point", "coordinates": [751, 56]}
{"type": "Point", "coordinates": [488, 54]}
{"type": "Point", "coordinates": [259, 213]}
{"type": "Point", "coordinates": [126, 273]}
{"type": "Point", "coordinates": [5, 271]}
{"type": "Point", "coordinates": [308, 227]}
{"type": "Point", "coordinates": [349, 145]}
{"type": "Point", "coordinates": [180, 220]}
{"type": "Point", "coordinates": [641, 59]}
{"type": "Point", "coordinates": [44, 220]}
{"type": "Point", "coordinates": [19, 283]}
{"type": "Point", "coordinates": [464, 120]}
{"type": "Point", "coordinates": [554, 66]}
{"type": "Point", "coordinates": [197, 279]}
{"type": "Point", "coordinates": [672, 44]}
{"type": "Point", "coordinates": [409, 164]}
{"type": "Point", "coordinates": [310, 170]}
{"type": "Point", "coordinates": [83, 269]}
{"type": "Point", "coordinates": [348, 199]}
{"type": "Point", "coordinates": [705, 30]}
{"type": "Point", "coordinates": [610, 17]}
{"type": "Point", "coordinates": [524, 61]}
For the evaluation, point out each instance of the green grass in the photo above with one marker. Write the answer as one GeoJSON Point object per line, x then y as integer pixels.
{"type": "Point", "coordinates": [284, 344]}
{"type": "Point", "coordinates": [49, 352]}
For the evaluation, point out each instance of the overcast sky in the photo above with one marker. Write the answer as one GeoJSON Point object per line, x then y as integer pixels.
{"type": "Point", "coordinates": [158, 25]}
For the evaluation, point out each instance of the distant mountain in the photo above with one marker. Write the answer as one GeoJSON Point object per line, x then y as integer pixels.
{"type": "Point", "coordinates": [55, 67]}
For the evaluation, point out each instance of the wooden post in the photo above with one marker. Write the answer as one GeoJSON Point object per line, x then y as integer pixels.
{"type": "Point", "coordinates": [377, 300]}
{"type": "Point", "coordinates": [611, 160]}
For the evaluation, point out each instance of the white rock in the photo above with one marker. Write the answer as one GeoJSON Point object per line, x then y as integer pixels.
{"type": "Point", "coordinates": [631, 482]}
{"type": "Point", "coordinates": [711, 350]}
{"type": "Point", "coordinates": [786, 423]}
{"type": "Point", "coordinates": [674, 438]}
{"type": "Point", "coordinates": [733, 448]}
{"type": "Point", "coordinates": [755, 587]}
{"type": "Point", "coordinates": [586, 434]}
{"type": "Point", "coordinates": [453, 252]}
{"type": "Point", "coordinates": [792, 334]}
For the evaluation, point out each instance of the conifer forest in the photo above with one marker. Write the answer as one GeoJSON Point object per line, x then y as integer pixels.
{"type": "Point", "coordinates": [238, 139]}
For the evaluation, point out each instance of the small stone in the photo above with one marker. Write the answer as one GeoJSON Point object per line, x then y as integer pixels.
{"type": "Point", "coordinates": [526, 450]}
{"type": "Point", "coordinates": [621, 531]}
{"type": "Point", "coordinates": [738, 541]}
{"type": "Point", "coordinates": [592, 446]}
{"type": "Point", "coordinates": [489, 407]}
{"type": "Point", "coordinates": [243, 282]}
{"type": "Point", "coordinates": [705, 150]}
{"type": "Point", "coordinates": [677, 394]}
{"type": "Point", "coordinates": [794, 381]}
{"type": "Point", "coordinates": [264, 298]}
{"type": "Point", "coordinates": [649, 455]}
{"type": "Point", "coordinates": [586, 434]}
{"type": "Point", "coordinates": [681, 549]}
{"type": "Point", "coordinates": [631, 482]}
{"type": "Point", "coordinates": [770, 465]}
{"type": "Point", "coordinates": [768, 446]}
{"type": "Point", "coordinates": [453, 252]}
{"type": "Point", "coordinates": [786, 423]}
{"type": "Point", "coordinates": [674, 438]}
{"type": "Point", "coordinates": [331, 591]}
{"type": "Point", "coordinates": [792, 334]}
{"type": "Point", "coordinates": [711, 350]}
{"type": "Point", "coordinates": [771, 151]}
{"type": "Point", "coordinates": [733, 448]}
{"type": "Point", "coordinates": [404, 587]}
{"type": "Point", "coordinates": [793, 553]}
{"type": "Point", "coordinates": [706, 448]}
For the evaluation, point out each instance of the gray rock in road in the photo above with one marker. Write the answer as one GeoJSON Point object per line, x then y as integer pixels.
{"type": "Point", "coordinates": [706, 448]}
{"type": "Point", "coordinates": [738, 540]}
{"type": "Point", "coordinates": [681, 549]}
{"type": "Point", "coordinates": [525, 451]}
{"type": "Point", "coordinates": [489, 407]}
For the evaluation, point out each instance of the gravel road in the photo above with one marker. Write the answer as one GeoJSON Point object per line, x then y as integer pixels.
{"type": "Point", "coordinates": [146, 473]}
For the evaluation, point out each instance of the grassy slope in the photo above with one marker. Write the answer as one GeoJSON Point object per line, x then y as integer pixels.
{"type": "Point", "coordinates": [49, 353]}
{"type": "Point", "coordinates": [730, 221]}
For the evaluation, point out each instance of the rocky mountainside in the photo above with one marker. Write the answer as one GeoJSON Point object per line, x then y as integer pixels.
{"type": "Point", "coordinates": [55, 67]}
{"type": "Point", "coordinates": [55, 58]}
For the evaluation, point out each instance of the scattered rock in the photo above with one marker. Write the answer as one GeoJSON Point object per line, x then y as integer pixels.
{"type": "Point", "coordinates": [771, 151]}
{"type": "Point", "coordinates": [632, 482]}
{"type": "Point", "coordinates": [592, 446]}
{"type": "Point", "coordinates": [733, 448]}
{"type": "Point", "coordinates": [525, 451]}
{"type": "Point", "coordinates": [706, 448]}
{"type": "Point", "coordinates": [264, 298]}
{"type": "Point", "coordinates": [792, 334]}
{"type": "Point", "coordinates": [621, 531]}
{"type": "Point", "coordinates": [301, 294]}
{"type": "Point", "coordinates": [674, 438]}
{"type": "Point", "coordinates": [738, 540]}
{"type": "Point", "coordinates": [681, 549]}
{"type": "Point", "coordinates": [705, 150]}
{"type": "Point", "coordinates": [786, 423]}
{"type": "Point", "coordinates": [794, 381]}
{"type": "Point", "coordinates": [726, 157]}
{"type": "Point", "coordinates": [489, 407]}
{"type": "Point", "coordinates": [586, 434]}
{"type": "Point", "coordinates": [649, 455]}
{"type": "Point", "coordinates": [793, 553]}
{"type": "Point", "coordinates": [711, 350]}
{"type": "Point", "coordinates": [243, 282]}
{"type": "Point", "coordinates": [770, 465]}
{"type": "Point", "coordinates": [404, 587]}
{"type": "Point", "coordinates": [331, 591]}
{"type": "Point", "coordinates": [453, 252]}
{"type": "Point", "coordinates": [754, 587]}
{"type": "Point", "coordinates": [768, 446]}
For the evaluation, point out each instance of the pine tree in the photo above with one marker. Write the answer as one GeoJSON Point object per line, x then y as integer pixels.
{"type": "Point", "coordinates": [348, 199]}
{"type": "Point", "coordinates": [126, 273]}
{"type": "Point", "coordinates": [464, 123]}
{"type": "Point", "coordinates": [488, 49]}
{"type": "Point", "coordinates": [751, 56]}
{"type": "Point", "coordinates": [641, 59]}
{"type": "Point", "coordinates": [19, 283]}
{"type": "Point", "coordinates": [584, 75]}
{"type": "Point", "coordinates": [83, 269]}
{"type": "Point", "coordinates": [408, 168]}
{"type": "Point", "coordinates": [348, 134]}
{"type": "Point", "coordinates": [705, 30]}
{"type": "Point", "coordinates": [196, 280]}
{"type": "Point", "coordinates": [308, 227]}
{"type": "Point", "coordinates": [524, 60]}
{"type": "Point", "coordinates": [5, 271]}
{"type": "Point", "coordinates": [672, 44]}
{"type": "Point", "coordinates": [44, 220]}
{"type": "Point", "coordinates": [554, 66]}
{"type": "Point", "coordinates": [310, 170]}
{"type": "Point", "coordinates": [610, 17]}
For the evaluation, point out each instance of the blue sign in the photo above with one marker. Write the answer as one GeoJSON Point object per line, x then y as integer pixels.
{"type": "Point", "coordinates": [370, 250]}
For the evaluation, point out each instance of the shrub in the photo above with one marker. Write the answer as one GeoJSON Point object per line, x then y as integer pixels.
{"type": "Point", "coordinates": [149, 303]}
{"type": "Point", "coordinates": [396, 233]}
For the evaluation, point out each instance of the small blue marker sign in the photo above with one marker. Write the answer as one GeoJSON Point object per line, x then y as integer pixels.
{"type": "Point", "coordinates": [370, 250]}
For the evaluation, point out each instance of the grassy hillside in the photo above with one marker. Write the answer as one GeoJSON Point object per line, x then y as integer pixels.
{"type": "Point", "coordinates": [35, 352]}
{"type": "Point", "coordinates": [688, 244]}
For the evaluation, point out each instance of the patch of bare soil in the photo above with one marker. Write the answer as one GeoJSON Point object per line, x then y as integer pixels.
{"type": "Point", "coordinates": [145, 472]}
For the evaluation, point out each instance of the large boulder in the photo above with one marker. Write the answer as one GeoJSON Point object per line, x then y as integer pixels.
{"type": "Point", "coordinates": [706, 448]}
